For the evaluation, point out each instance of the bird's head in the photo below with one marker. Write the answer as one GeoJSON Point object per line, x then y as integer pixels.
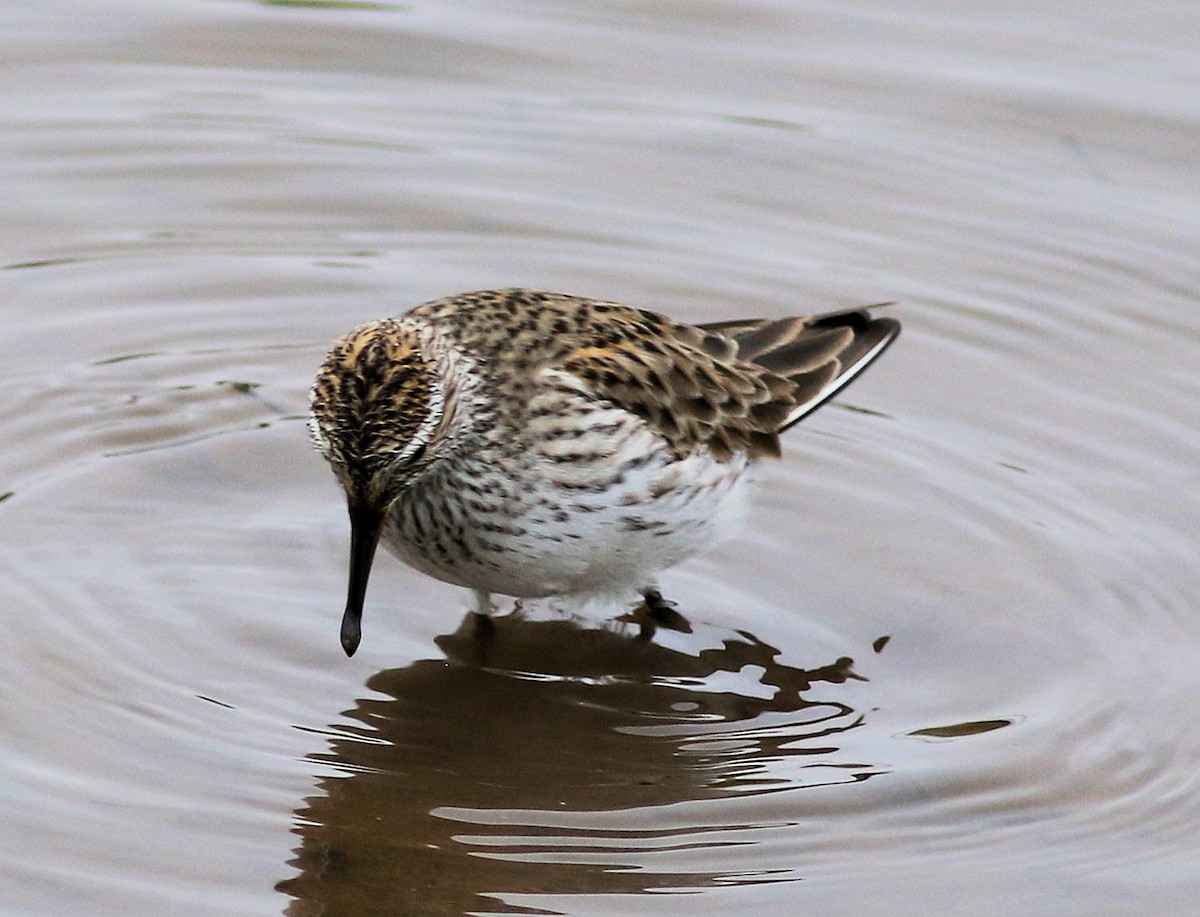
{"type": "Point", "coordinates": [377, 407]}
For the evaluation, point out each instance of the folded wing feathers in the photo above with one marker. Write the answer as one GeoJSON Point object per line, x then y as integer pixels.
{"type": "Point", "coordinates": [871, 337]}
{"type": "Point", "coordinates": [819, 355]}
{"type": "Point", "coordinates": [732, 385]}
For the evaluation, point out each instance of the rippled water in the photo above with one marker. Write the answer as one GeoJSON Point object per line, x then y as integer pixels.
{"type": "Point", "coordinates": [951, 665]}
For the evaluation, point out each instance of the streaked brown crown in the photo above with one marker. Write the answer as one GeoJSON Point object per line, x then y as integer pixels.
{"type": "Point", "coordinates": [371, 406]}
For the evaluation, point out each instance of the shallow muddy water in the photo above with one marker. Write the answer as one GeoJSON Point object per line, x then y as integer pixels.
{"type": "Point", "coordinates": [952, 663]}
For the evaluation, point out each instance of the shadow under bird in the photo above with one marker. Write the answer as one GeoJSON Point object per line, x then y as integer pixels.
{"type": "Point", "coordinates": [530, 444]}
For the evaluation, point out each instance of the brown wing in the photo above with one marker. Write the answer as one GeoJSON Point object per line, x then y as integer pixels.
{"type": "Point", "coordinates": [727, 387]}
{"type": "Point", "coordinates": [686, 383]}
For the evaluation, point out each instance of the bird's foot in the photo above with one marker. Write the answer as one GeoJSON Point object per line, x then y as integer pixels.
{"type": "Point", "coordinates": [655, 612]}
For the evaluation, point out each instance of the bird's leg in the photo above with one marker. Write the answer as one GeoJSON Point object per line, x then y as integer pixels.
{"type": "Point", "coordinates": [663, 612]}
{"type": "Point", "coordinates": [483, 613]}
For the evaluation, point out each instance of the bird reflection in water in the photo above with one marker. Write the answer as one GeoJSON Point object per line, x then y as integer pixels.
{"type": "Point", "coordinates": [538, 760]}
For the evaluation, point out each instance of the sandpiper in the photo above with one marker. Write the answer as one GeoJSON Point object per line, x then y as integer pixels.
{"type": "Point", "coordinates": [529, 444]}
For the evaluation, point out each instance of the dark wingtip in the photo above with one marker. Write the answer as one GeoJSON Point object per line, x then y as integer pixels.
{"type": "Point", "coordinates": [872, 336]}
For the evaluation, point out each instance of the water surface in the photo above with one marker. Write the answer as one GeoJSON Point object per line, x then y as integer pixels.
{"type": "Point", "coordinates": [949, 666]}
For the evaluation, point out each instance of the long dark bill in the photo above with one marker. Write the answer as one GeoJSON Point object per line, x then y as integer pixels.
{"type": "Point", "coordinates": [366, 522]}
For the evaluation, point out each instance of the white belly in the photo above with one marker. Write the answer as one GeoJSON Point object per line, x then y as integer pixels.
{"type": "Point", "coordinates": [567, 517]}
